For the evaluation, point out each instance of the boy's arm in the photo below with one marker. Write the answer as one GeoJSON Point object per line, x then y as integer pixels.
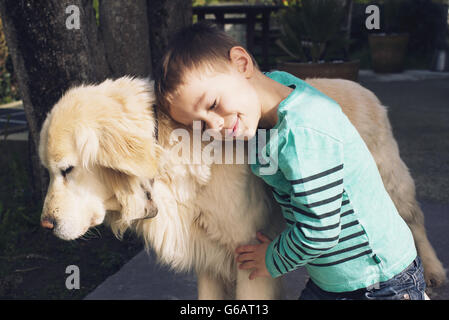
{"type": "Point", "coordinates": [312, 162]}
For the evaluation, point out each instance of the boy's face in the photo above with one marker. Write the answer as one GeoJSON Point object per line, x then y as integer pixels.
{"type": "Point", "coordinates": [224, 102]}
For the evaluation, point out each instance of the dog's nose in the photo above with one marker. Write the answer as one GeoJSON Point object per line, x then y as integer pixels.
{"type": "Point", "coordinates": [48, 223]}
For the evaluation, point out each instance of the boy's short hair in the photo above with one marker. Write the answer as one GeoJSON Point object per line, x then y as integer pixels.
{"type": "Point", "coordinates": [200, 46]}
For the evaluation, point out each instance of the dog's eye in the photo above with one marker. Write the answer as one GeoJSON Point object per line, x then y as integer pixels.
{"type": "Point", "coordinates": [66, 171]}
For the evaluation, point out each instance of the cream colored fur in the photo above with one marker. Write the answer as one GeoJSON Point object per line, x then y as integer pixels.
{"type": "Point", "coordinates": [196, 227]}
{"type": "Point", "coordinates": [106, 132]}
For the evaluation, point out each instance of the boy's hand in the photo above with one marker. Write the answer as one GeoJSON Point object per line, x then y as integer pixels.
{"type": "Point", "coordinates": [253, 257]}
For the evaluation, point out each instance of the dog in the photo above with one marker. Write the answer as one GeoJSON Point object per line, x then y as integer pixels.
{"type": "Point", "coordinates": [112, 158]}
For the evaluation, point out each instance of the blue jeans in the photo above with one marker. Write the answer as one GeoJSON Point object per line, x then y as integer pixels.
{"type": "Point", "coordinates": [407, 285]}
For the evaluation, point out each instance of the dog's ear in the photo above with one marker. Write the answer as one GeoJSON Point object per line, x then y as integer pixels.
{"type": "Point", "coordinates": [87, 144]}
{"type": "Point", "coordinates": [117, 145]}
{"type": "Point", "coordinates": [121, 147]}
{"type": "Point", "coordinates": [114, 148]}
{"type": "Point", "coordinates": [127, 141]}
{"type": "Point", "coordinates": [121, 134]}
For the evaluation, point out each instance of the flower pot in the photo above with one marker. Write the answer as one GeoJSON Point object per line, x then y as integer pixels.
{"type": "Point", "coordinates": [388, 52]}
{"type": "Point", "coordinates": [340, 70]}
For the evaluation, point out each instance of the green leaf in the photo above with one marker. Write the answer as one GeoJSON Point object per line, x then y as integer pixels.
{"type": "Point", "coordinates": [313, 28]}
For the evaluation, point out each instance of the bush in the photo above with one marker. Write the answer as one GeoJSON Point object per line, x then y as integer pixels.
{"type": "Point", "coordinates": [311, 30]}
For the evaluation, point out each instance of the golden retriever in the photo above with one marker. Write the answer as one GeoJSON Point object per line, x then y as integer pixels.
{"type": "Point", "coordinates": [106, 164]}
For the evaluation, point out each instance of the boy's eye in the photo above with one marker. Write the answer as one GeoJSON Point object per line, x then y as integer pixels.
{"type": "Point", "coordinates": [213, 105]}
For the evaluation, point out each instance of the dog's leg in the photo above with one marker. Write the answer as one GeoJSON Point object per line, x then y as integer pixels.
{"type": "Point", "coordinates": [261, 288]}
{"type": "Point", "coordinates": [210, 287]}
{"type": "Point", "coordinates": [434, 272]}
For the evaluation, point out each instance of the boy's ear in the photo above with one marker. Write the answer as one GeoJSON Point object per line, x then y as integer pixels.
{"type": "Point", "coordinates": [241, 60]}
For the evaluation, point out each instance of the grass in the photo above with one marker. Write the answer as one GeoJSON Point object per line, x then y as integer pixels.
{"type": "Point", "coordinates": [32, 260]}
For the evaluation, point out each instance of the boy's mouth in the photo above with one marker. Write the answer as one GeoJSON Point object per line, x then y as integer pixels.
{"type": "Point", "coordinates": [233, 131]}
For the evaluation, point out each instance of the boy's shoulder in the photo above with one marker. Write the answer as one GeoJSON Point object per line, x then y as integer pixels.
{"type": "Point", "coordinates": [307, 107]}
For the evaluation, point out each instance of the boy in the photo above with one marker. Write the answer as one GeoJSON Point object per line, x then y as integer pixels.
{"type": "Point", "coordinates": [341, 223]}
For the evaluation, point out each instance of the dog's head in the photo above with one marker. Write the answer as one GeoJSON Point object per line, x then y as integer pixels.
{"type": "Point", "coordinates": [99, 147]}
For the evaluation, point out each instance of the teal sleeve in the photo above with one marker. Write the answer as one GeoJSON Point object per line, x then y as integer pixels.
{"type": "Point", "coordinates": [312, 163]}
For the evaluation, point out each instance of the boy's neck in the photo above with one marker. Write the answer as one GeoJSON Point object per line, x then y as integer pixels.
{"type": "Point", "coordinates": [271, 94]}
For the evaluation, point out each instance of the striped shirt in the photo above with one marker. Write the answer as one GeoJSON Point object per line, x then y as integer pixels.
{"type": "Point", "coordinates": [341, 223]}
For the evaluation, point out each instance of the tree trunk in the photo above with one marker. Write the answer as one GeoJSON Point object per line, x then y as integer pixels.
{"type": "Point", "coordinates": [348, 24]}
{"type": "Point", "coordinates": [125, 32]}
{"type": "Point", "coordinates": [165, 18]}
{"type": "Point", "coordinates": [49, 58]}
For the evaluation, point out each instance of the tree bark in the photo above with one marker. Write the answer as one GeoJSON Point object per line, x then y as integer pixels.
{"type": "Point", "coordinates": [125, 32]}
{"type": "Point", "coordinates": [165, 18]}
{"type": "Point", "coordinates": [49, 58]}
{"type": "Point", "coordinates": [348, 24]}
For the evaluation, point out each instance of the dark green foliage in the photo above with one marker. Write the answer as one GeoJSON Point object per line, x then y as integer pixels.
{"type": "Point", "coordinates": [311, 30]}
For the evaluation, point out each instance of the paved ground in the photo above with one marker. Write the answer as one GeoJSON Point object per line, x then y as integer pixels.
{"type": "Point", "coordinates": [142, 278]}
{"type": "Point", "coordinates": [419, 111]}
{"type": "Point", "coordinates": [12, 118]}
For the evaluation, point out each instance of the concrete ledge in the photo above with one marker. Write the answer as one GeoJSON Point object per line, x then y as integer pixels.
{"type": "Point", "coordinates": [12, 105]}
{"type": "Point", "coordinates": [20, 136]}
{"type": "Point", "coordinates": [407, 75]}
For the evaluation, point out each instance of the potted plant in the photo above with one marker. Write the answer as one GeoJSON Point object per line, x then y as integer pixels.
{"type": "Point", "coordinates": [314, 41]}
{"type": "Point", "coordinates": [388, 47]}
